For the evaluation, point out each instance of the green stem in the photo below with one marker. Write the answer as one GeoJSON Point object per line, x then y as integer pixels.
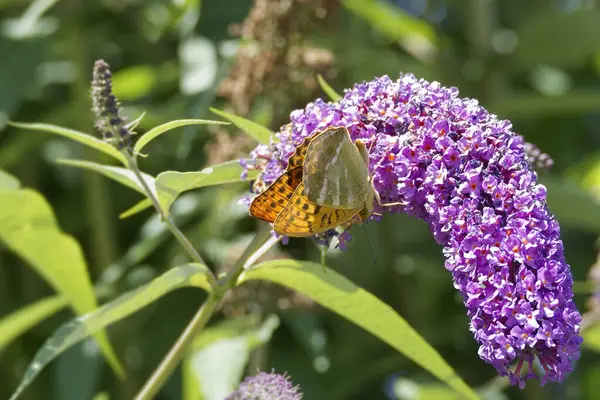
{"type": "Point", "coordinates": [171, 360]}
{"type": "Point", "coordinates": [218, 288]}
{"type": "Point", "coordinates": [181, 238]}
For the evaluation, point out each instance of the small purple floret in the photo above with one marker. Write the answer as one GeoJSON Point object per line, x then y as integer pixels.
{"type": "Point", "coordinates": [466, 173]}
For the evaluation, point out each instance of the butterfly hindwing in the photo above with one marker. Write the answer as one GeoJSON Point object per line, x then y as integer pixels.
{"type": "Point", "coordinates": [335, 173]}
{"type": "Point", "coordinates": [301, 217]}
{"type": "Point", "coordinates": [267, 205]}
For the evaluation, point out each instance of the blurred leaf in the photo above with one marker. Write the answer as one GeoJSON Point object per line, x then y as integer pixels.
{"type": "Point", "coordinates": [260, 133]}
{"type": "Point", "coordinates": [18, 322]}
{"type": "Point", "coordinates": [407, 389]}
{"type": "Point", "coordinates": [219, 354]}
{"type": "Point", "coordinates": [571, 204]}
{"type": "Point", "coordinates": [134, 82]}
{"type": "Point", "coordinates": [122, 175]}
{"type": "Point", "coordinates": [20, 60]}
{"type": "Point", "coordinates": [335, 292]}
{"type": "Point", "coordinates": [28, 228]}
{"type": "Point", "coordinates": [585, 287]}
{"type": "Point", "coordinates": [536, 106]}
{"type": "Point", "coordinates": [564, 39]}
{"type": "Point", "coordinates": [77, 136]}
{"type": "Point", "coordinates": [29, 23]}
{"type": "Point", "coordinates": [159, 130]}
{"type": "Point", "coordinates": [590, 179]}
{"type": "Point", "coordinates": [17, 148]}
{"type": "Point", "coordinates": [198, 63]}
{"type": "Point", "coordinates": [591, 337]}
{"type": "Point", "coordinates": [80, 328]}
{"type": "Point", "coordinates": [329, 91]}
{"type": "Point", "coordinates": [415, 35]}
{"type": "Point", "coordinates": [137, 208]}
{"type": "Point", "coordinates": [7, 181]}
{"type": "Point", "coordinates": [171, 184]}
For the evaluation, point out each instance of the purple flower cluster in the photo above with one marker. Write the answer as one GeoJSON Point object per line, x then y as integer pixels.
{"type": "Point", "coordinates": [466, 173]}
{"type": "Point", "coordinates": [265, 386]}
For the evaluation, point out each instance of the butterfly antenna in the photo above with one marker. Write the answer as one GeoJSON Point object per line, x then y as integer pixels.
{"type": "Point", "coordinates": [369, 243]}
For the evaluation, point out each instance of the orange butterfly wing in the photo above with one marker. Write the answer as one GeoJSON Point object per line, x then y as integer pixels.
{"type": "Point", "coordinates": [267, 205]}
{"type": "Point", "coordinates": [297, 159]}
{"type": "Point", "coordinates": [301, 217]}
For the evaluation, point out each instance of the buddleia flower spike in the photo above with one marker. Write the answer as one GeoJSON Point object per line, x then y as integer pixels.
{"type": "Point", "coordinates": [468, 175]}
{"type": "Point", "coordinates": [109, 122]}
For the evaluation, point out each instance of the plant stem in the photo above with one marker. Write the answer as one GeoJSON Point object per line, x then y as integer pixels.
{"type": "Point", "coordinates": [218, 288]}
{"type": "Point", "coordinates": [171, 360]}
{"type": "Point", "coordinates": [181, 238]}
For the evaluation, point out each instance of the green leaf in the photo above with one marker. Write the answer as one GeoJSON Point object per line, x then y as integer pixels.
{"type": "Point", "coordinates": [159, 130]}
{"type": "Point", "coordinates": [417, 36]}
{"type": "Point", "coordinates": [77, 136]}
{"type": "Point", "coordinates": [122, 175]}
{"type": "Point", "coordinates": [134, 124]}
{"type": "Point", "coordinates": [80, 328]}
{"type": "Point", "coordinates": [572, 205]}
{"type": "Point", "coordinates": [335, 292]}
{"type": "Point", "coordinates": [28, 228]}
{"type": "Point", "coordinates": [260, 133]}
{"type": "Point", "coordinates": [218, 355]}
{"type": "Point", "coordinates": [137, 208]}
{"type": "Point", "coordinates": [329, 91]}
{"type": "Point", "coordinates": [563, 39]}
{"type": "Point", "coordinates": [171, 184]}
{"type": "Point", "coordinates": [18, 322]}
{"type": "Point", "coordinates": [7, 181]}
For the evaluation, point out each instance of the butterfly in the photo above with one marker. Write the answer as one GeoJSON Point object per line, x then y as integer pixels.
{"type": "Point", "coordinates": [326, 184]}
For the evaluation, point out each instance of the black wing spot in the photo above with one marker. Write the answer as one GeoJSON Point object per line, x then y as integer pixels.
{"type": "Point", "coordinates": [324, 218]}
{"type": "Point", "coordinates": [305, 207]}
{"type": "Point", "coordinates": [273, 205]}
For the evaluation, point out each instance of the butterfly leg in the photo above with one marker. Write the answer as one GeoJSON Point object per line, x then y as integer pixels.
{"type": "Point", "coordinates": [396, 203]}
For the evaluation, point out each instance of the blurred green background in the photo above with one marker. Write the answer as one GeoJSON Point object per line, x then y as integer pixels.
{"type": "Point", "coordinates": [536, 63]}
